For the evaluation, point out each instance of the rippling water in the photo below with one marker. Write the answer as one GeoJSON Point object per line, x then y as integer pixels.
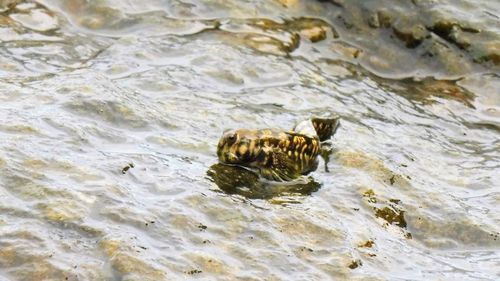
{"type": "Point", "coordinates": [111, 111]}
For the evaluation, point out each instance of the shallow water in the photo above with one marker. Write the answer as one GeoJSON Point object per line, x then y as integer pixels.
{"type": "Point", "coordinates": [89, 88]}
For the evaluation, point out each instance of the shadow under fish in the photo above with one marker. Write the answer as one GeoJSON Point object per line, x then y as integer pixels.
{"type": "Point", "coordinates": [238, 180]}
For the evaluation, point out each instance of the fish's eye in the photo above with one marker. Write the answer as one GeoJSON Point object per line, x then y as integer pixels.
{"type": "Point", "coordinates": [232, 138]}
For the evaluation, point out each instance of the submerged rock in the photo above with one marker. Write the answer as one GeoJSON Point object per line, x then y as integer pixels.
{"type": "Point", "coordinates": [389, 210]}
{"type": "Point", "coordinates": [434, 37]}
{"type": "Point", "coordinates": [38, 20]}
{"type": "Point", "coordinates": [279, 38]}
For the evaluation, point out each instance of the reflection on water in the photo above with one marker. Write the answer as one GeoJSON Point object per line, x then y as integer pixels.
{"type": "Point", "coordinates": [238, 180]}
{"type": "Point", "coordinates": [111, 111]}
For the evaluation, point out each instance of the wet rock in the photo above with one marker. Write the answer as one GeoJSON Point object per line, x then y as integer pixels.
{"type": "Point", "coordinates": [385, 18]}
{"type": "Point", "coordinates": [131, 268]}
{"type": "Point", "coordinates": [367, 244]}
{"type": "Point", "coordinates": [313, 30]}
{"type": "Point", "coordinates": [123, 214]}
{"type": "Point", "coordinates": [6, 35]}
{"type": "Point", "coordinates": [288, 3]}
{"type": "Point", "coordinates": [38, 20]}
{"type": "Point", "coordinates": [23, 129]}
{"type": "Point", "coordinates": [262, 43]}
{"type": "Point", "coordinates": [110, 246]}
{"type": "Point", "coordinates": [391, 216]}
{"type": "Point", "coordinates": [488, 52]}
{"type": "Point", "coordinates": [27, 188]}
{"type": "Point", "coordinates": [226, 76]}
{"type": "Point", "coordinates": [345, 50]}
{"type": "Point", "coordinates": [74, 172]}
{"type": "Point", "coordinates": [25, 6]}
{"type": "Point", "coordinates": [412, 35]}
{"type": "Point", "coordinates": [389, 210]}
{"type": "Point", "coordinates": [464, 37]}
{"type": "Point", "coordinates": [429, 88]}
{"type": "Point", "coordinates": [374, 166]}
{"type": "Point", "coordinates": [441, 41]}
{"type": "Point", "coordinates": [268, 73]}
{"type": "Point", "coordinates": [5, 5]}
{"type": "Point", "coordinates": [313, 34]}
{"type": "Point", "coordinates": [280, 38]}
{"type": "Point", "coordinates": [98, 17]}
{"type": "Point", "coordinates": [40, 270]}
{"type": "Point", "coordinates": [109, 111]}
{"type": "Point", "coordinates": [373, 20]}
{"type": "Point", "coordinates": [63, 211]}
{"type": "Point", "coordinates": [381, 18]}
{"type": "Point", "coordinates": [315, 232]}
{"type": "Point", "coordinates": [5, 21]}
{"type": "Point", "coordinates": [272, 45]}
{"type": "Point", "coordinates": [262, 35]}
{"type": "Point", "coordinates": [25, 256]}
{"type": "Point", "coordinates": [337, 68]}
{"type": "Point", "coordinates": [208, 263]}
{"type": "Point", "coordinates": [355, 264]}
{"type": "Point", "coordinates": [451, 233]}
{"type": "Point", "coordinates": [127, 265]}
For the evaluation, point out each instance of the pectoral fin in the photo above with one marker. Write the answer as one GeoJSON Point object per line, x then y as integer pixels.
{"type": "Point", "coordinates": [280, 168]}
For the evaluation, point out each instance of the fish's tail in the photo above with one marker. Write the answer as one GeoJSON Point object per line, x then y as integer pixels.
{"type": "Point", "coordinates": [326, 127]}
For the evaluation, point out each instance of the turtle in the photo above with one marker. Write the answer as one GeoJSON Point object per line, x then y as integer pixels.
{"type": "Point", "coordinates": [275, 154]}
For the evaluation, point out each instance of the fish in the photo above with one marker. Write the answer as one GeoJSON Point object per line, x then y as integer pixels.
{"type": "Point", "coordinates": [275, 154]}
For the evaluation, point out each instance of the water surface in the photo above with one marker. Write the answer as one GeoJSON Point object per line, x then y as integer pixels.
{"type": "Point", "coordinates": [88, 88]}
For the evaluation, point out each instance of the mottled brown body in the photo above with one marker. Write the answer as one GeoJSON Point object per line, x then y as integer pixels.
{"type": "Point", "coordinates": [278, 155]}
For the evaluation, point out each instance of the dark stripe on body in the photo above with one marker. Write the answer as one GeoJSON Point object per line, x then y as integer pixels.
{"type": "Point", "coordinates": [257, 149]}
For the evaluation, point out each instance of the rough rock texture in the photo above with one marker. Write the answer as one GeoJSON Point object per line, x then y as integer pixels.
{"type": "Point", "coordinates": [440, 37]}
